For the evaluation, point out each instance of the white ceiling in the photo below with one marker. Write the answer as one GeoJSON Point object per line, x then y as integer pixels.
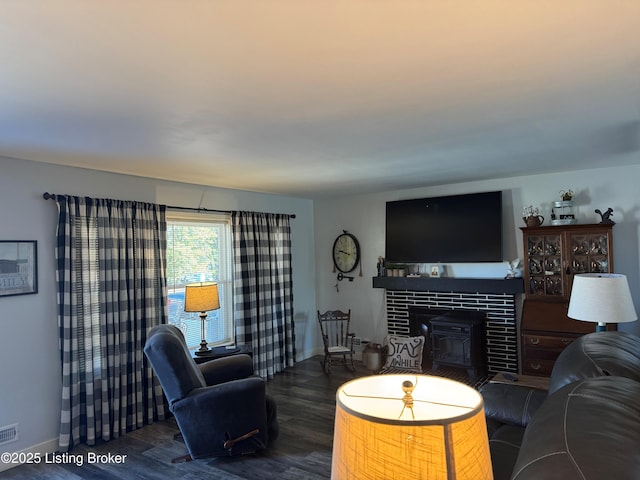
{"type": "Point", "coordinates": [321, 97]}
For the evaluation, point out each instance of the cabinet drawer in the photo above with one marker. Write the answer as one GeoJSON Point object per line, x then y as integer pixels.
{"type": "Point", "coordinates": [550, 342]}
{"type": "Point", "coordinates": [537, 366]}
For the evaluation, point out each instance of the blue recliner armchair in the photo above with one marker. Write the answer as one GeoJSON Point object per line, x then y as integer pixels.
{"type": "Point", "coordinates": [221, 408]}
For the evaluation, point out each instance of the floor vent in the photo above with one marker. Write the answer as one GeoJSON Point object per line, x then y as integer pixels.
{"type": "Point", "coordinates": [357, 341]}
{"type": "Point", "coordinates": [9, 434]}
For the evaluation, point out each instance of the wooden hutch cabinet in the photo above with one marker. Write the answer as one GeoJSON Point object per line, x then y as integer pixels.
{"type": "Point", "coordinates": [552, 256]}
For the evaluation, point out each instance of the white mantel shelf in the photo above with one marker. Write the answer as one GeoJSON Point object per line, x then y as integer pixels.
{"type": "Point", "coordinates": [448, 284]}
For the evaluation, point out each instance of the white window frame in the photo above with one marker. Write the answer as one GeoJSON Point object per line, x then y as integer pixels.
{"type": "Point", "coordinates": [225, 280]}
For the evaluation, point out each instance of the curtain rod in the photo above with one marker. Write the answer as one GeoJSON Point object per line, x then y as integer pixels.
{"type": "Point", "coordinates": [52, 196]}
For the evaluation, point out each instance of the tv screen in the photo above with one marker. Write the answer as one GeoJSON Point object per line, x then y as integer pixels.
{"type": "Point", "coordinates": [452, 229]}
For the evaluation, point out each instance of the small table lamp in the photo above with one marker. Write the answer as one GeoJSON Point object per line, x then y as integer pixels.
{"type": "Point", "coordinates": [409, 427]}
{"type": "Point", "coordinates": [201, 297]}
{"type": "Point", "coordinates": [601, 298]}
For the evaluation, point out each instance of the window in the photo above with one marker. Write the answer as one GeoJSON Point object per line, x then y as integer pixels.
{"type": "Point", "coordinates": [199, 249]}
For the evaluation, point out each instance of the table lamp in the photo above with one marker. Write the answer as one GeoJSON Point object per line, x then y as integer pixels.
{"type": "Point", "coordinates": [601, 298]}
{"type": "Point", "coordinates": [201, 297]}
{"type": "Point", "coordinates": [409, 427]}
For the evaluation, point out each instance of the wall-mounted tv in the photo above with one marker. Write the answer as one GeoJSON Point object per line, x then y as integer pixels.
{"type": "Point", "coordinates": [452, 229]}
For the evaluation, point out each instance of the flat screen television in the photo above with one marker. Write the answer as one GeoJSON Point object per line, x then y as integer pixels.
{"type": "Point", "coordinates": [452, 229]}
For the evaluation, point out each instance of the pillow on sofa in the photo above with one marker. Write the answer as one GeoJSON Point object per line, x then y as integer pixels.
{"type": "Point", "coordinates": [404, 353]}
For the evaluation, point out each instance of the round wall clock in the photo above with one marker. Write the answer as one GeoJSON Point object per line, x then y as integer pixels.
{"type": "Point", "coordinates": [346, 252]}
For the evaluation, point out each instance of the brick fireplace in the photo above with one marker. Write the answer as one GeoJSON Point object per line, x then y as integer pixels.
{"type": "Point", "coordinates": [494, 298]}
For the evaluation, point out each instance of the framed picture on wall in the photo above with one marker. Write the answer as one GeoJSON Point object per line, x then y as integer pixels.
{"type": "Point", "coordinates": [18, 267]}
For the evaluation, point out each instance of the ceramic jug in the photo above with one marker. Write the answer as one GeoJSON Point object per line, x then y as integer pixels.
{"type": "Point", "coordinates": [533, 220]}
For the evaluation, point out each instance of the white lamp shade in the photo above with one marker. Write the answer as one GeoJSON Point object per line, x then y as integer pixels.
{"type": "Point", "coordinates": [601, 298]}
{"type": "Point", "coordinates": [201, 297]}
{"type": "Point", "coordinates": [444, 437]}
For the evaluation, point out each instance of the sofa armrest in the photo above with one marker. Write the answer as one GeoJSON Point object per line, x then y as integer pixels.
{"type": "Point", "coordinates": [589, 429]}
{"type": "Point", "coordinates": [596, 355]}
{"type": "Point", "coordinates": [226, 369]}
{"type": "Point", "coordinates": [511, 404]}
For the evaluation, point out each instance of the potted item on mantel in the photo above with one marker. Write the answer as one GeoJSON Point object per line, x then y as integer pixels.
{"type": "Point", "coordinates": [394, 270]}
{"type": "Point", "coordinates": [391, 270]}
{"type": "Point", "coordinates": [531, 216]}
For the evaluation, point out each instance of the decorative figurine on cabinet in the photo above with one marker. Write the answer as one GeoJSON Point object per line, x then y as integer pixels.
{"type": "Point", "coordinates": [514, 271]}
{"type": "Point", "coordinates": [606, 216]}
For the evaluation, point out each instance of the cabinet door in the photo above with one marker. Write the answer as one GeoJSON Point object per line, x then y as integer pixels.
{"type": "Point", "coordinates": [544, 265]}
{"type": "Point", "coordinates": [554, 254]}
{"type": "Point", "coordinates": [589, 253]}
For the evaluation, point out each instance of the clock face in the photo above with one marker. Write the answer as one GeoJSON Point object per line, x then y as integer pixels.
{"type": "Point", "coordinates": [346, 252]}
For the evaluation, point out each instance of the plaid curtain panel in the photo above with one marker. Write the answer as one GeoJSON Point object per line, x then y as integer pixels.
{"type": "Point", "coordinates": [263, 289]}
{"type": "Point", "coordinates": [111, 259]}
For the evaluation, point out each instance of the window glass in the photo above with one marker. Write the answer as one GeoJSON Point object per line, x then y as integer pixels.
{"type": "Point", "coordinates": [199, 250]}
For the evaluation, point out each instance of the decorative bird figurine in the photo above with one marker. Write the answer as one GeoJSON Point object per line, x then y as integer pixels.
{"type": "Point", "coordinates": [606, 216]}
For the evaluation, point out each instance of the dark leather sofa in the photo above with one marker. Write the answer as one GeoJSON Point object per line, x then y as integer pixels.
{"type": "Point", "coordinates": [586, 427]}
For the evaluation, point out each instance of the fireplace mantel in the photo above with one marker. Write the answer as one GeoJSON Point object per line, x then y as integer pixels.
{"type": "Point", "coordinates": [449, 284]}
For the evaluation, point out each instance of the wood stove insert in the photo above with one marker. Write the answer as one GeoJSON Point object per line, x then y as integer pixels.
{"type": "Point", "coordinates": [456, 338]}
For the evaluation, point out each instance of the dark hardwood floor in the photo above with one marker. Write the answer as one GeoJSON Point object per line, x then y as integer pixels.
{"type": "Point", "coordinates": [306, 407]}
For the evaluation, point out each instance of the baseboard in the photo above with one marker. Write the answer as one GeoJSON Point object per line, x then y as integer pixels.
{"type": "Point", "coordinates": [300, 356]}
{"type": "Point", "coordinates": [40, 450]}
